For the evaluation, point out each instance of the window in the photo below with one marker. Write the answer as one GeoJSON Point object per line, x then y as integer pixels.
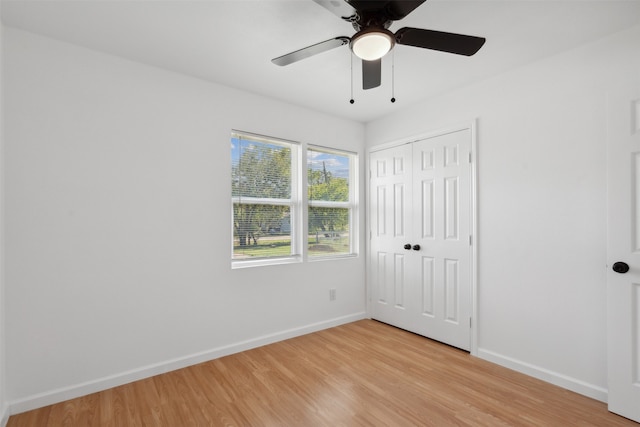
{"type": "Point", "coordinates": [331, 196]}
{"type": "Point", "coordinates": [268, 197]}
{"type": "Point", "coordinates": [265, 197]}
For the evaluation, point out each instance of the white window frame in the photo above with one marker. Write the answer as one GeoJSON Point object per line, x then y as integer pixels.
{"type": "Point", "coordinates": [299, 204]}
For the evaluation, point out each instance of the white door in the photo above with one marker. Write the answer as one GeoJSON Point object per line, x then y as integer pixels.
{"type": "Point", "coordinates": [420, 237]}
{"type": "Point", "coordinates": [623, 251]}
{"type": "Point", "coordinates": [391, 230]}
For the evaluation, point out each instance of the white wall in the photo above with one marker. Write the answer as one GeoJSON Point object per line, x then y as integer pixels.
{"type": "Point", "coordinates": [541, 162]}
{"type": "Point", "coordinates": [118, 223]}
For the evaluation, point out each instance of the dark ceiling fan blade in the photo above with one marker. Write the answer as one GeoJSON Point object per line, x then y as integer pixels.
{"type": "Point", "coordinates": [340, 8]}
{"type": "Point", "coordinates": [399, 9]}
{"type": "Point", "coordinates": [437, 40]}
{"type": "Point", "coordinates": [371, 73]}
{"type": "Point", "coordinates": [367, 5]}
{"type": "Point", "coordinates": [308, 51]}
{"type": "Point", "coordinates": [390, 9]}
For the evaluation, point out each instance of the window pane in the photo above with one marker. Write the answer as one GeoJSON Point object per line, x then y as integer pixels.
{"type": "Point", "coordinates": [261, 231]}
{"type": "Point", "coordinates": [328, 176]}
{"type": "Point", "coordinates": [329, 231]}
{"type": "Point", "coordinates": [264, 196]}
{"type": "Point", "coordinates": [260, 169]}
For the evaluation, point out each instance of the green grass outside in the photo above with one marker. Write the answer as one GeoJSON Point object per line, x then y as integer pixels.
{"type": "Point", "coordinates": [282, 247]}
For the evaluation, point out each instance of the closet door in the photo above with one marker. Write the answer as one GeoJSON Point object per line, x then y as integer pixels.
{"type": "Point", "coordinates": [391, 221]}
{"type": "Point", "coordinates": [421, 205]}
{"type": "Point", "coordinates": [623, 250]}
{"type": "Point", "coordinates": [442, 228]}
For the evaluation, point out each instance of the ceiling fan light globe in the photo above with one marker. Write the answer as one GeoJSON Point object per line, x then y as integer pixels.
{"type": "Point", "coordinates": [372, 45]}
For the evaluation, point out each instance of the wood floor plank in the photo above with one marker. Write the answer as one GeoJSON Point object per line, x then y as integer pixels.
{"type": "Point", "coordinates": [361, 374]}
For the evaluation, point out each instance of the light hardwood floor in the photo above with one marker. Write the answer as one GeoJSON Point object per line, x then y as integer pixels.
{"type": "Point", "coordinates": [360, 374]}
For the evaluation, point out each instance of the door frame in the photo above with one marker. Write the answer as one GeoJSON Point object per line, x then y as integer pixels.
{"type": "Point", "coordinates": [472, 127]}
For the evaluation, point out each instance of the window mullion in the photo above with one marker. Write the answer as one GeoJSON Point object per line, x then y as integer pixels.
{"type": "Point", "coordinates": [296, 201]}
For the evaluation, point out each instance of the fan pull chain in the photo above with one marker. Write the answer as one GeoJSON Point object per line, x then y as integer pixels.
{"type": "Point", "coordinates": [393, 76]}
{"type": "Point", "coordinates": [351, 101]}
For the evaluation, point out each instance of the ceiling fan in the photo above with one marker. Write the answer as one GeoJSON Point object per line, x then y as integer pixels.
{"type": "Point", "coordinates": [372, 40]}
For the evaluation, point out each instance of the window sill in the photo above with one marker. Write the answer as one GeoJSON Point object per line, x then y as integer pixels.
{"type": "Point", "coordinates": [237, 264]}
{"type": "Point", "coordinates": [331, 257]}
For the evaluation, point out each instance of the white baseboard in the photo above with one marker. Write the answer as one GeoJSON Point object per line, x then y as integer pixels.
{"type": "Point", "coordinates": [564, 381]}
{"type": "Point", "coordinates": [83, 389]}
{"type": "Point", "coordinates": [4, 415]}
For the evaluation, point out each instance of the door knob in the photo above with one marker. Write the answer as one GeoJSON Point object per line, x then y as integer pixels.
{"type": "Point", "coordinates": [620, 267]}
{"type": "Point", "coordinates": [416, 247]}
{"type": "Point", "coordinates": [407, 246]}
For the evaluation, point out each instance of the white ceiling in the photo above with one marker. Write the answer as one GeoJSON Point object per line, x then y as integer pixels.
{"type": "Point", "coordinates": [232, 42]}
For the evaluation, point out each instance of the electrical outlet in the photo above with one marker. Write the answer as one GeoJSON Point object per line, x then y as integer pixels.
{"type": "Point", "coordinates": [332, 294]}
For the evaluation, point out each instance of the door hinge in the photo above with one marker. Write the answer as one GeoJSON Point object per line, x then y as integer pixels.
{"type": "Point", "coordinates": [470, 240]}
{"type": "Point", "coordinates": [470, 324]}
{"type": "Point", "coordinates": [469, 156]}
